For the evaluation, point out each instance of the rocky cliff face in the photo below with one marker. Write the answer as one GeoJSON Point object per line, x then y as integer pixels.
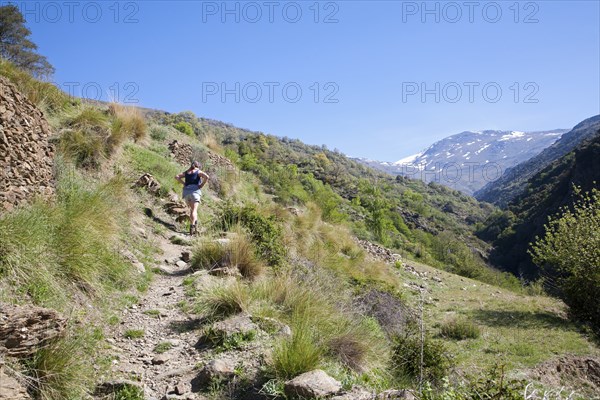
{"type": "Point", "coordinates": [25, 153]}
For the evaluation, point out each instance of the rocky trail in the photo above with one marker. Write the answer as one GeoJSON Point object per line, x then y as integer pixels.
{"type": "Point", "coordinates": [164, 357]}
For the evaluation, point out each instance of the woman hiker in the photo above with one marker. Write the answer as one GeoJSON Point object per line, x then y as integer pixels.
{"type": "Point", "coordinates": [193, 180]}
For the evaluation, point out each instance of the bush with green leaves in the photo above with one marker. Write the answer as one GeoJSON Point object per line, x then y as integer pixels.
{"type": "Point", "coordinates": [159, 132]}
{"type": "Point", "coordinates": [570, 250]}
{"type": "Point", "coordinates": [492, 384]}
{"type": "Point", "coordinates": [406, 358]}
{"type": "Point", "coordinates": [184, 127]}
{"type": "Point", "coordinates": [265, 231]}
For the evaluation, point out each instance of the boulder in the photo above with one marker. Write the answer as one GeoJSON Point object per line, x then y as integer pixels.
{"type": "Point", "coordinates": [220, 369]}
{"type": "Point", "coordinates": [25, 329]}
{"type": "Point", "coordinates": [10, 388]}
{"type": "Point", "coordinates": [240, 324]}
{"type": "Point", "coordinates": [312, 384]}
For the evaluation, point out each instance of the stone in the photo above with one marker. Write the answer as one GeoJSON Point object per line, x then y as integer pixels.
{"type": "Point", "coordinates": [181, 264]}
{"type": "Point", "coordinates": [186, 256]}
{"type": "Point", "coordinates": [161, 359]}
{"type": "Point", "coordinates": [25, 329]}
{"type": "Point", "coordinates": [239, 324]}
{"type": "Point", "coordinates": [139, 267]}
{"type": "Point", "coordinates": [149, 183]}
{"type": "Point", "coordinates": [221, 369]}
{"type": "Point", "coordinates": [356, 393]}
{"type": "Point", "coordinates": [395, 395]}
{"type": "Point", "coordinates": [312, 384]}
{"type": "Point", "coordinates": [224, 271]}
{"type": "Point", "coordinates": [11, 389]}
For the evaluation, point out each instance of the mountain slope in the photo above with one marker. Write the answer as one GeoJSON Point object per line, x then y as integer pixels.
{"type": "Point", "coordinates": [513, 181]}
{"type": "Point", "coordinates": [469, 160]}
{"type": "Point", "coordinates": [542, 195]}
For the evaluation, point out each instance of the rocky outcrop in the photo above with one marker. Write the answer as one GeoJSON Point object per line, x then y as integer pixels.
{"type": "Point", "coordinates": [217, 161]}
{"type": "Point", "coordinates": [25, 329]}
{"type": "Point", "coordinates": [25, 153]}
{"type": "Point", "coordinates": [378, 252]}
{"type": "Point", "coordinates": [181, 152]}
{"type": "Point", "coordinates": [149, 183]}
{"type": "Point", "coordinates": [313, 384]}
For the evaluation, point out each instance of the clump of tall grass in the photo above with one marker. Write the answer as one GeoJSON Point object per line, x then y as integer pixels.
{"type": "Point", "coordinates": [222, 301]}
{"type": "Point", "coordinates": [91, 135]}
{"type": "Point", "coordinates": [299, 353]}
{"type": "Point", "coordinates": [128, 123]}
{"type": "Point", "coordinates": [332, 247]}
{"type": "Point", "coordinates": [63, 369]}
{"type": "Point", "coordinates": [46, 249]}
{"type": "Point", "coordinates": [322, 324]}
{"type": "Point", "coordinates": [460, 329]}
{"type": "Point", "coordinates": [238, 253]}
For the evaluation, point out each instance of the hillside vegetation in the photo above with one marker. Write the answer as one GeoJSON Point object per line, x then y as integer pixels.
{"type": "Point", "coordinates": [513, 230]}
{"type": "Point", "coordinates": [278, 249]}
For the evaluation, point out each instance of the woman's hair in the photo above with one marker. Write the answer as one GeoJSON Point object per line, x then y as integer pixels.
{"type": "Point", "coordinates": [195, 164]}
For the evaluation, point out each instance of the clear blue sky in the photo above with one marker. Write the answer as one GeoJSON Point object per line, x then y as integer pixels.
{"type": "Point", "coordinates": [373, 57]}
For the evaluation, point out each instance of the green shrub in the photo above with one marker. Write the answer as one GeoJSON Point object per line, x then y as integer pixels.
{"type": "Point", "coordinates": [406, 358]}
{"type": "Point", "coordinates": [460, 329]}
{"type": "Point", "coordinates": [570, 251]}
{"type": "Point", "coordinates": [265, 232]}
{"type": "Point", "coordinates": [159, 132]}
{"type": "Point", "coordinates": [184, 127]}
{"type": "Point", "coordinates": [493, 384]}
{"type": "Point", "coordinates": [129, 392]}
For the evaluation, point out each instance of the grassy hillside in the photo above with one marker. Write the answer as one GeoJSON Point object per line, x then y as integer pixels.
{"type": "Point", "coordinates": [426, 222]}
{"type": "Point", "coordinates": [285, 219]}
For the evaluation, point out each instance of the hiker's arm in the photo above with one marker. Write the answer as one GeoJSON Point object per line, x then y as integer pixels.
{"type": "Point", "coordinates": [204, 177]}
{"type": "Point", "coordinates": [179, 178]}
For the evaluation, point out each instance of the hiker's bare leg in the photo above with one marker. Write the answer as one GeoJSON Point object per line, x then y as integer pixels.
{"type": "Point", "coordinates": [193, 212]}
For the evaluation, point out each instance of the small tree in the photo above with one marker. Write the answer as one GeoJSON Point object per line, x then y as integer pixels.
{"type": "Point", "coordinates": [15, 45]}
{"type": "Point", "coordinates": [570, 250]}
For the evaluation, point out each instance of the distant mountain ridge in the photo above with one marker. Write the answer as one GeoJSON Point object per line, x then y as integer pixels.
{"type": "Point", "coordinates": [513, 182]}
{"type": "Point", "coordinates": [469, 160]}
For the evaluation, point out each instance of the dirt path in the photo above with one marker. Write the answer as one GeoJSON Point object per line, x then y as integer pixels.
{"type": "Point", "coordinates": [163, 358]}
